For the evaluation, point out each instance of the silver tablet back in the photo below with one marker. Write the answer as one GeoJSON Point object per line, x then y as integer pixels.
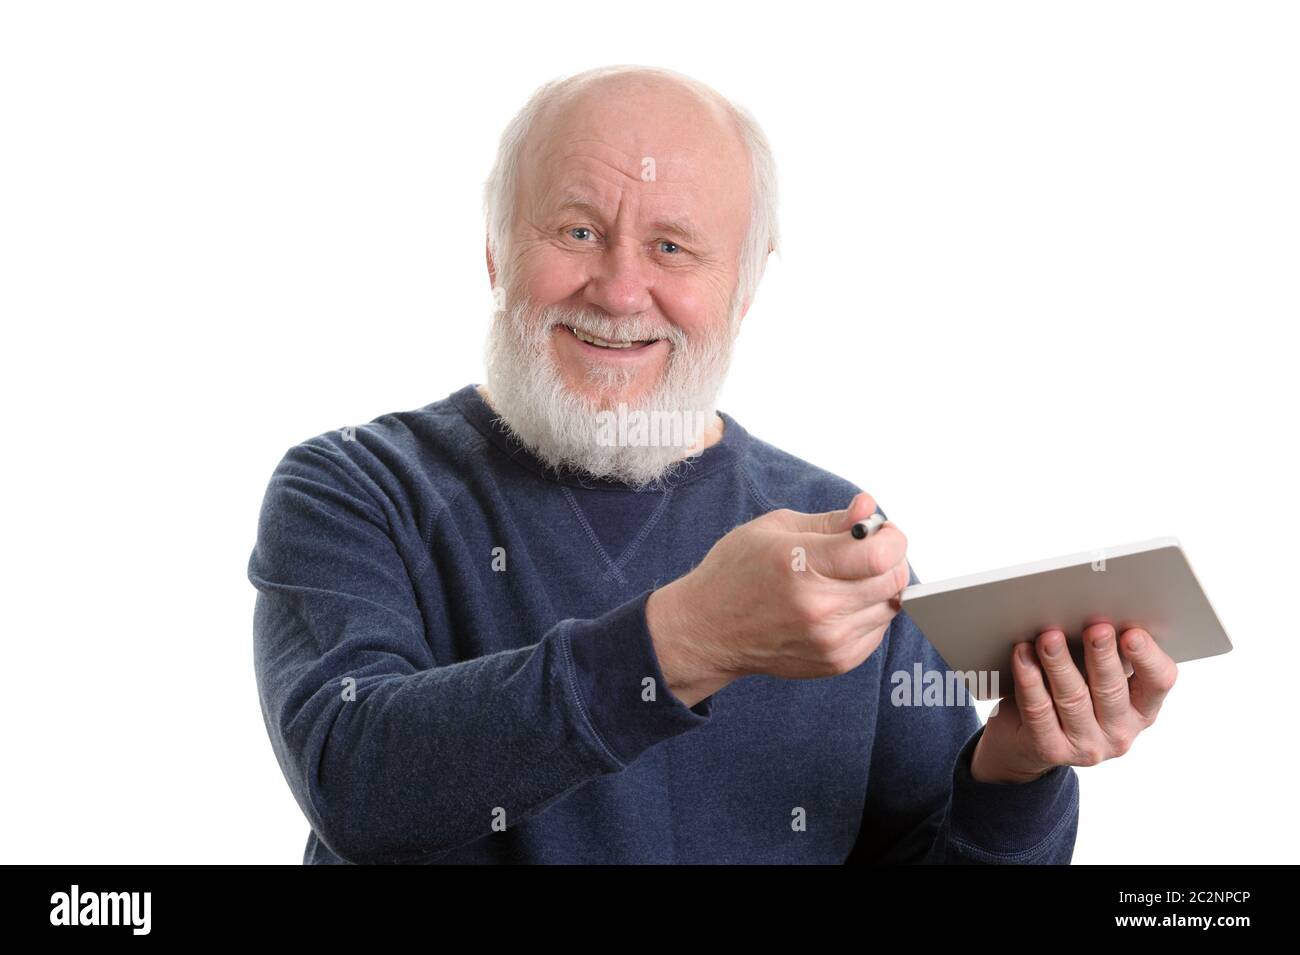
{"type": "Point", "coordinates": [975, 621]}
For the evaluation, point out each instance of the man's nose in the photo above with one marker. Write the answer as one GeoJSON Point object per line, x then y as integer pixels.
{"type": "Point", "coordinates": [619, 281]}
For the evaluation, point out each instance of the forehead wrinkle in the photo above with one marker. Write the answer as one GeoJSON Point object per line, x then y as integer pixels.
{"type": "Point", "coordinates": [678, 154]}
{"type": "Point", "coordinates": [679, 164]}
{"type": "Point", "coordinates": [554, 158]}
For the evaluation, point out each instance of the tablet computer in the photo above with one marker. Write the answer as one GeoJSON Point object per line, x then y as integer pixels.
{"type": "Point", "coordinates": [975, 621]}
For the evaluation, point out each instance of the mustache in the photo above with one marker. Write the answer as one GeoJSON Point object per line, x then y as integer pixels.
{"type": "Point", "coordinates": [611, 329]}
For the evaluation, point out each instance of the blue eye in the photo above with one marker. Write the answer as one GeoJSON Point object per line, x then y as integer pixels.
{"type": "Point", "coordinates": [579, 229]}
{"type": "Point", "coordinates": [673, 247]}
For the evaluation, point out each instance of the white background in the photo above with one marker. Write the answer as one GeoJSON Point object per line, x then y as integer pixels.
{"type": "Point", "coordinates": [1038, 294]}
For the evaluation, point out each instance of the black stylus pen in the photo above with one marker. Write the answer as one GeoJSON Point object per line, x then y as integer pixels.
{"type": "Point", "coordinates": [868, 527]}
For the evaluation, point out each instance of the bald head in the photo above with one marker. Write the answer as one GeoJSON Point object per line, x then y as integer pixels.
{"type": "Point", "coordinates": [656, 107]}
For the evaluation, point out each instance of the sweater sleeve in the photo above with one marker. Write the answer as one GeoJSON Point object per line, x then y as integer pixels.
{"type": "Point", "coordinates": [395, 756]}
{"type": "Point", "coordinates": [923, 805]}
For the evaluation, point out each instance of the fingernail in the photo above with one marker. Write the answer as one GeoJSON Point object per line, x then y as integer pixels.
{"type": "Point", "coordinates": [1136, 641]}
{"type": "Point", "coordinates": [1052, 645]}
{"type": "Point", "coordinates": [1103, 638]}
{"type": "Point", "coordinates": [1023, 653]}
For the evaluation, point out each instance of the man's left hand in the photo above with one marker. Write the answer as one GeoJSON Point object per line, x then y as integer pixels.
{"type": "Point", "coordinates": [1057, 718]}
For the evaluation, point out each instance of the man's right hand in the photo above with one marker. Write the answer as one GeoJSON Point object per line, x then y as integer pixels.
{"type": "Point", "coordinates": [788, 594]}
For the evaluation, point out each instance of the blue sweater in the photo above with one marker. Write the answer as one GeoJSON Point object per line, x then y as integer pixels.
{"type": "Point", "coordinates": [451, 648]}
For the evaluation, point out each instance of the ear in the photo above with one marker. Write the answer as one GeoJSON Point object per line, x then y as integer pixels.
{"type": "Point", "coordinates": [745, 308]}
{"type": "Point", "coordinates": [491, 265]}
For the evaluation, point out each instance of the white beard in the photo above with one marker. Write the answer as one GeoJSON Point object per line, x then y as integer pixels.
{"type": "Point", "coordinates": [567, 430]}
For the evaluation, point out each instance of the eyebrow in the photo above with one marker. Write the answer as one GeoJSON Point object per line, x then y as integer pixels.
{"type": "Point", "coordinates": [681, 228]}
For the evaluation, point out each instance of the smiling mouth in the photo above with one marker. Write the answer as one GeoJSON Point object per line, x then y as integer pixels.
{"type": "Point", "coordinates": [599, 342]}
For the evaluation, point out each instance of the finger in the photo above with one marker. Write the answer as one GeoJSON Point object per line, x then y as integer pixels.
{"type": "Point", "coordinates": [862, 506]}
{"type": "Point", "coordinates": [880, 589]}
{"type": "Point", "coordinates": [1069, 690]}
{"type": "Point", "coordinates": [858, 626]}
{"type": "Point", "coordinates": [1106, 678]}
{"type": "Point", "coordinates": [845, 557]}
{"type": "Point", "coordinates": [1034, 703]}
{"type": "Point", "coordinates": [1154, 671]}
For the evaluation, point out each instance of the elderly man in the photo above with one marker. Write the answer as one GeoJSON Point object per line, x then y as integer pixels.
{"type": "Point", "coordinates": [579, 615]}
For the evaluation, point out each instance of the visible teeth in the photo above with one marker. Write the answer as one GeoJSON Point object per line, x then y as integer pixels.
{"type": "Point", "coordinates": [603, 343]}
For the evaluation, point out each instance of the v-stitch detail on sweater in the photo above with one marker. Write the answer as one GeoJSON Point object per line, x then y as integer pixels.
{"type": "Point", "coordinates": [614, 566]}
